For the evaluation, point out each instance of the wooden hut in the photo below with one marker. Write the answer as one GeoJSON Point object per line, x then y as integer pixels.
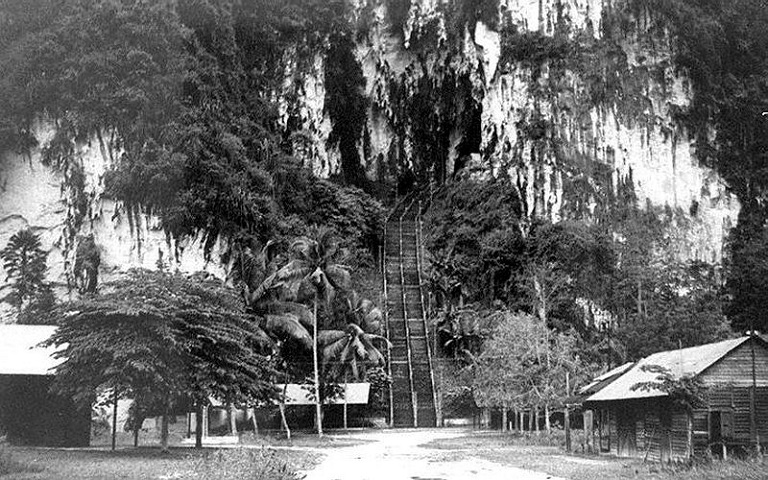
{"type": "Point", "coordinates": [29, 413]}
{"type": "Point", "coordinates": [597, 439]}
{"type": "Point", "coordinates": [647, 424]}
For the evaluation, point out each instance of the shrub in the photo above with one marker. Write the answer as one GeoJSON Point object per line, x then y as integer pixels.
{"type": "Point", "coordinates": [241, 463]}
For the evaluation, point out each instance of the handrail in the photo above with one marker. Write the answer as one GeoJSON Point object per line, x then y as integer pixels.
{"type": "Point", "coordinates": [396, 206]}
{"type": "Point", "coordinates": [414, 404]}
{"type": "Point", "coordinates": [385, 309]}
{"type": "Point", "coordinates": [419, 261]}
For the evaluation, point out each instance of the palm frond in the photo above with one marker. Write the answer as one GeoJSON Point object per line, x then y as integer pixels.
{"type": "Point", "coordinates": [288, 327]}
{"type": "Point", "coordinates": [327, 337]}
{"type": "Point", "coordinates": [339, 276]}
{"type": "Point", "coordinates": [301, 311]}
{"type": "Point", "coordinates": [377, 338]}
{"type": "Point", "coordinates": [335, 351]}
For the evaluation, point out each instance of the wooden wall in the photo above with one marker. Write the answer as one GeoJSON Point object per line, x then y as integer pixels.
{"type": "Point", "coordinates": [737, 400]}
{"type": "Point", "coordinates": [736, 368]}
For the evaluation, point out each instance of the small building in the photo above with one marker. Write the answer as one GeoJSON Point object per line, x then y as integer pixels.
{"type": "Point", "coordinates": [597, 439]}
{"type": "Point", "coordinates": [645, 423]}
{"type": "Point", "coordinates": [29, 413]}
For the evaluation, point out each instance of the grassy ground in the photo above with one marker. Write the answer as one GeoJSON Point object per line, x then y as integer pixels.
{"type": "Point", "coordinates": [146, 463]}
{"type": "Point", "coordinates": [516, 451]}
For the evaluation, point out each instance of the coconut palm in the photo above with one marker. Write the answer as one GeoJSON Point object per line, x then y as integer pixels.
{"type": "Point", "coordinates": [347, 351]}
{"type": "Point", "coordinates": [255, 270]}
{"type": "Point", "coordinates": [314, 268]}
{"type": "Point", "coordinates": [366, 314]}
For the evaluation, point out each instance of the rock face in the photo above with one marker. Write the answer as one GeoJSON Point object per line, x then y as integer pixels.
{"type": "Point", "coordinates": [574, 99]}
{"type": "Point", "coordinates": [35, 196]}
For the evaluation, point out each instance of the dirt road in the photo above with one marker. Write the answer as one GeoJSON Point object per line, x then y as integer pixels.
{"type": "Point", "coordinates": [398, 455]}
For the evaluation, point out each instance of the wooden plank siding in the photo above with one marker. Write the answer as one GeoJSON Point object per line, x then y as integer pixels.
{"type": "Point", "coordinates": [700, 432]}
{"type": "Point", "coordinates": [653, 428]}
{"type": "Point", "coordinates": [736, 368]}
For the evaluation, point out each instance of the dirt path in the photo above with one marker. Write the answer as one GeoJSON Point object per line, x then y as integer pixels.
{"type": "Point", "coordinates": [397, 455]}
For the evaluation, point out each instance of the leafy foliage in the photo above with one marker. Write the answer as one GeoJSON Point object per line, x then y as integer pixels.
{"type": "Point", "coordinates": [524, 363]}
{"type": "Point", "coordinates": [616, 282]}
{"type": "Point", "coordinates": [24, 261]}
{"type": "Point", "coordinates": [687, 392]}
{"type": "Point", "coordinates": [161, 339]}
{"type": "Point", "coordinates": [180, 98]}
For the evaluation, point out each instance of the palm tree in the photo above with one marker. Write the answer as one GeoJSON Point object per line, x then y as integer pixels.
{"type": "Point", "coordinates": [314, 266]}
{"type": "Point", "coordinates": [366, 314]}
{"type": "Point", "coordinates": [283, 322]}
{"type": "Point", "coordinates": [255, 270]}
{"type": "Point", "coordinates": [346, 351]}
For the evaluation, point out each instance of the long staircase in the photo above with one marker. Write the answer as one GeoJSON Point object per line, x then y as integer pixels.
{"type": "Point", "coordinates": [412, 395]}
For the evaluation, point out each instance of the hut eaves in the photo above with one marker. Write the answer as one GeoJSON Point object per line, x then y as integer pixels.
{"type": "Point", "coordinates": [680, 363]}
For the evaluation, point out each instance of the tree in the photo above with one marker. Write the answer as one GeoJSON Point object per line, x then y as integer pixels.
{"type": "Point", "coordinates": [349, 351]}
{"type": "Point", "coordinates": [506, 370]}
{"type": "Point", "coordinates": [524, 363]}
{"type": "Point", "coordinates": [162, 339]}
{"type": "Point", "coordinates": [314, 267]}
{"type": "Point", "coordinates": [25, 265]}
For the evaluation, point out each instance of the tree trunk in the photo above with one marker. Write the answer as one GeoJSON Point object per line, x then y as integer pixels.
{"type": "Point", "coordinates": [548, 425]}
{"type": "Point", "coordinates": [136, 436]}
{"type": "Point", "coordinates": [514, 420]}
{"type": "Point", "coordinates": [232, 413]}
{"type": "Point", "coordinates": [345, 399]}
{"type": "Point", "coordinates": [318, 407]}
{"type": "Point", "coordinates": [164, 431]}
{"type": "Point", "coordinates": [521, 421]}
{"type": "Point", "coordinates": [536, 419]}
{"type": "Point", "coordinates": [567, 426]}
{"type": "Point", "coordinates": [114, 420]}
{"type": "Point", "coordinates": [199, 424]}
{"type": "Point", "coordinates": [530, 420]}
{"type": "Point", "coordinates": [504, 418]}
{"type": "Point", "coordinates": [281, 406]}
{"type": "Point", "coordinates": [254, 421]}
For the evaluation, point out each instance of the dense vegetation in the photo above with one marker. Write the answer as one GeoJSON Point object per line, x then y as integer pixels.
{"type": "Point", "coordinates": [600, 293]}
{"type": "Point", "coordinates": [179, 99]}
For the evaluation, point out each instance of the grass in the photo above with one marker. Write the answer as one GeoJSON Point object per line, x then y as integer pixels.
{"type": "Point", "coordinates": [533, 453]}
{"type": "Point", "coordinates": [145, 463]}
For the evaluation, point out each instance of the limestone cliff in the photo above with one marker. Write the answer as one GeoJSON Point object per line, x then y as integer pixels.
{"type": "Point", "coordinates": [575, 99]}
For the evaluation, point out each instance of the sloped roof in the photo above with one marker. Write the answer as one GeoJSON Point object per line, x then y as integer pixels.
{"type": "Point", "coordinates": [598, 383]}
{"type": "Point", "coordinates": [683, 362]}
{"type": "Point", "coordinates": [20, 353]}
{"type": "Point", "coordinates": [602, 381]}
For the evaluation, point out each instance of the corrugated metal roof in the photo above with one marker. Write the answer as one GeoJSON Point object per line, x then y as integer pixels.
{"type": "Point", "coordinates": [20, 353]}
{"type": "Point", "coordinates": [684, 362]}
